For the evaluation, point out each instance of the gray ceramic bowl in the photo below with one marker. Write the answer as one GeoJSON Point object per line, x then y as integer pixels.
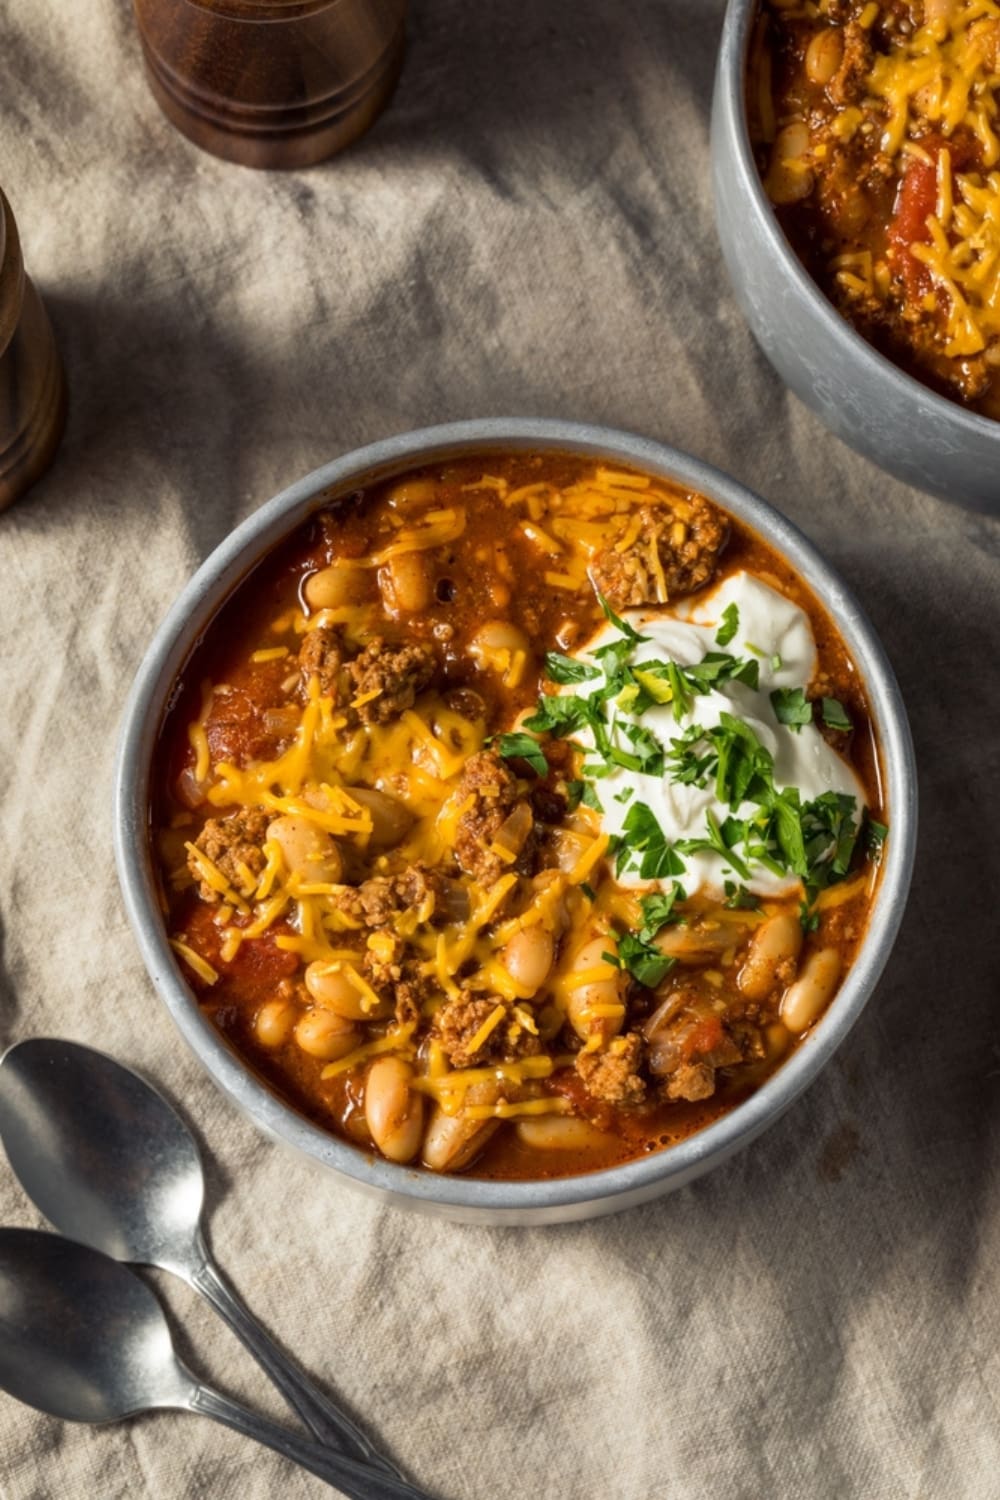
{"type": "Point", "coordinates": [461, 1197]}
{"type": "Point", "coordinates": [887, 415]}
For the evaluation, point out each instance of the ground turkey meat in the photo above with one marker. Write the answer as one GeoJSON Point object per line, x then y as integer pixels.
{"type": "Point", "coordinates": [396, 673]}
{"type": "Point", "coordinates": [379, 901]}
{"type": "Point", "coordinates": [235, 846]}
{"type": "Point", "coordinates": [691, 1081]}
{"type": "Point", "coordinates": [495, 792]}
{"type": "Point", "coordinates": [613, 1075]}
{"type": "Point", "coordinates": [687, 549]}
{"type": "Point", "coordinates": [322, 656]}
{"type": "Point", "coordinates": [695, 1079]}
{"type": "Point", "coordinates": [457, 1024]}
{"type": "Point", "coordinates": [391, 973]}
{"type": "Point", "coordinates": [847, 84]}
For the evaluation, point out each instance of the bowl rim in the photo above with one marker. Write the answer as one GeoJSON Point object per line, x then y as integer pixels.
{"type": "Point", "coordinates": [731, 75]}
{"type": "Point", "coordinates": [179, 635]}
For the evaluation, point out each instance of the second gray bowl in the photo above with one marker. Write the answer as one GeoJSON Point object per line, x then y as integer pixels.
{"type": "Point", "coordinates": [884, 413]}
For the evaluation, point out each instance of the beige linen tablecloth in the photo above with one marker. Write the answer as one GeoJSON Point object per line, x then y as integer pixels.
{"type": "Point", "coordinates": [528, 230]}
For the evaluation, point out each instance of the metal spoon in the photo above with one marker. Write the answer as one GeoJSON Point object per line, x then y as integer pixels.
{"type": "Point", "coordinates": [84, 1339]}
{"type": "Point", "coordinates": [110, 1163]}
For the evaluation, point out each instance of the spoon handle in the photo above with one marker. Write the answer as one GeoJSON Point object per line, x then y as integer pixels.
{"type": "Point", "coordinates": [327, 1423]}
{"type": "Point", "coordinates": [349, 1475]}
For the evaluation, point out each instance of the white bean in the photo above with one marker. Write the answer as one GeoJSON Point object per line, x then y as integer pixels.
{"type": "Point", "coordinates": [824, 55]}
{"type": "Point", "coordinates": [494, 637]}
{"type": "Point", "coordinates": [775, 942]}
{"type": "Point", "coordinates": [806, 999]}
{"type": "Point", "coordinates": [405, 584]}
{"type": "Point", "coordinates": [394, 1111]}
{"type": "Point", "coordinates": [331, 987]}
{"type": "Point", "coordinates": [325, 1035]}
{"type": "Point", "coordinates": [452, 1141]}
{"type": "Point", "coordinates": [560, 1133]}
{"type": "Point", "coordinates": [391, 820]}
{"type": "Point", "coordinates": [333, 587]}
{"type": "Point", "coordinates": [790, 177]}
{"type": "Point", "coordinates": [308, 851]}
{"type": "Point", "coordinates": [604, 986]}
{"type": "Point", "coordinates": [274, 1022]}
{"type": "Point", "coordinates": [776, 1040]}
{"type": "Point", "coordinates": [528, 957]}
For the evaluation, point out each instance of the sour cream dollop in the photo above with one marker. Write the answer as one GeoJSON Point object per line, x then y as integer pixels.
{"type": "Point", "coordinates": [776, 634]}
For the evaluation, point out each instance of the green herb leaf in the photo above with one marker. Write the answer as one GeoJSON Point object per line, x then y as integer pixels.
{"type": "Point", "coordinates": [523, 747]}
{"type": "Point", "coordinates": [808, 918]}
{"type": "Point", "coordinates": [643, 841]}
{"type": "Point", "coordinates": [730, 625]}
{"type": "Point", "coordinates": [559, 715]}
{"type": "Point", "coordinates": [559, 668]}
{"type": "Point", "coordinates": [835, 715]}
{"type": "Point", "coordinates": [738, 898]}
{"type": "Point", "coordinates": [875, 835]}
{"type": "Point", "coordinates": [643, 960]}
{"type": "Point", "coordinates": [574, 794]}
{"type": "Point", "coordinates": [658, 910]}
{"type": "Point", "coordinates": [714, 843]}
{"type": "Point", "coordinates": [622, 626]}
{"type": "Point", "coordinates": [792, 707]}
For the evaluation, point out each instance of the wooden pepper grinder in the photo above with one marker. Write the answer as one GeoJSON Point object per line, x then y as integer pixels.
{"type": "Point", "coordinates": [272, 83]}
{"type": "Point", "coordinates": [32, 385]}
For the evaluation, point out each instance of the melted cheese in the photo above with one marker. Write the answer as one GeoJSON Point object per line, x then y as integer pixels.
{"type": "Point", "coordinates": [945, 75]}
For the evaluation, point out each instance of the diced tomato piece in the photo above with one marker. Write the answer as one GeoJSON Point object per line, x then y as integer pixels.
{"type": "Point", "coordinates": [703, 1038]}
{"type": "Point", "coordinates": [258, 961]}
{"type": "Point", "coordinates": [916, 198]}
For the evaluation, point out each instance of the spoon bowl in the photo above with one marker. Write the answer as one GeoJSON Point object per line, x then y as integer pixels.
{"type": "Point", "coordinates": [83, 1339]}
{"type": "Point", "coordinates": [80, 1337]}
{"type": "Point", "coordinates": [112, 1165]}
{"type": "Point", "coordinates": [104, 1156]}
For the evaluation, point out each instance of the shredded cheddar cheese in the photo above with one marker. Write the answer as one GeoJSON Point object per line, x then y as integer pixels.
{"type": "Point", "coordinates": [944, 74]}
{"type": "Point", "coordinates": [194, 961]}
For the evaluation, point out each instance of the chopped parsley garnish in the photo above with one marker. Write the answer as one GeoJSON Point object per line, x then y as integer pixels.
{"type": "Point", "coordinates": [835, 715]}
{"type": "Point", "coordinates": [716, 843]}
{"type": "Point", "coordinates": [590, 798]}
{"type": "Point", "coordinates": [562, 669]}
{"type": "Point", "coordinates": [768, 825]}
{"type": "Point", "coordinates": [644, 846]}
{"type": "Point", "coordinates": [560, 715]}
{"type": "Point", "coordinates": [875, 836]}
{"type": "Point", "coordinates": [637, 952]}
{"type": "Point", "coordinates": [642, 959]}
{"type": "Point", "coordinates": [738, 898]}
{"type": "Point", "coordinates": [658, 910]}
{"type": "Point", "coordinates": [730, 625]}
{"type": "Point", "coordinates": [730, 754]}
{"type": "Point", "coordinates": [622, 626]}
{"type": "Point", "coordinates": [523, 747]}
{"type": "Point", "coordinates": [808, 918]}
{"type": "Point", "coordinates": [573, 792]}
{"type": "Point", "coordinates": [792, 707]}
